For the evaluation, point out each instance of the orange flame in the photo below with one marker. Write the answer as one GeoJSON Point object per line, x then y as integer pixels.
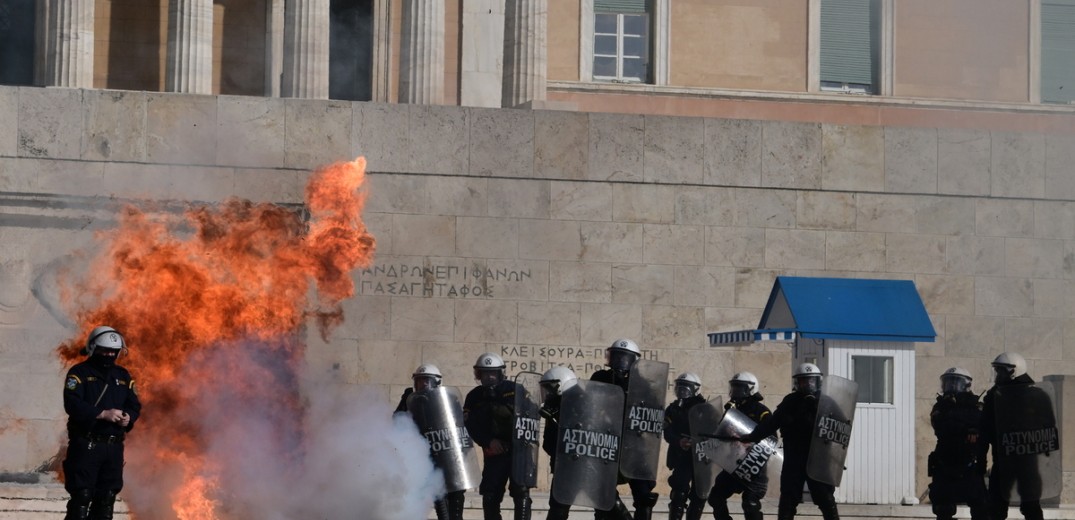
{"type": "Point", "coordinates": [214, 310]}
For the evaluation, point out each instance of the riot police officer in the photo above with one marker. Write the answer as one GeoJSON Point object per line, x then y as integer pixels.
{"type": "Point", "coordinates": [489, 412]}
{"type": "Point", "coordinates": [424, 378]}
{"type": "Point", "coordinates": [677, 433]}
{"type": "Point", "coordinates": [743, 395]}
{"type": "Point", "coordinates": [620, 357]}
{"type": "Point", "coordinates": [958, 475]}
{"type": "Point", "coordinates": [553, 383]}
{"type": "Point", "coordinates": [794, 417]}
{"type": "Point", "coordinates": [1022, 472]}
{"type": "Point", "coordinates": [102, 406]}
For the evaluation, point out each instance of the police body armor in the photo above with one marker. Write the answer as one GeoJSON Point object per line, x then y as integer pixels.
{"type": "Point", "coordinates": [832, 430]}
{"type": "Point", "coordinates": [704, 419]}
{"type": "Point", "coordinates": [439, 416]}
{"type": "Point", "coordinates": [525, 439]}
{"type": "Point", "coordinates": [588, 445]}
{"type": "Point", "coordinates": [1028, 440]}
{"type": "Point", "coordinates": [643, 420]}
{"type": "Point", "coordinates": [748, 462]}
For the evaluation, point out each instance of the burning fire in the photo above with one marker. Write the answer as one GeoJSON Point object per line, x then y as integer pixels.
{"type": "Point", "coordinates": [214, 309]}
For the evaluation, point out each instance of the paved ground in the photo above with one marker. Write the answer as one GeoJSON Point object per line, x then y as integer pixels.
{"type": "Point", "coordinates": [47, 501]}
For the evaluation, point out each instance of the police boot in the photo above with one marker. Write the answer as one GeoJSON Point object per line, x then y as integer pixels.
{"type": "Point", "coordinates": [644, 507]}
{"type": "Point", "coordinates": [103, 504]}
{"type": "Point", "coordinates": [720, 509]}
{"type": "Point", "coordinates": [456, 502]}
{"type": "Point", "coordinates": [620, 511]}
{"type": "Point", "coordinates": [78, 507]}
{"type": "Point", "coordinates": [557, 511]}
{"type": "Point", "coordinates": [785, 512]}
{"type": "Point", "coordinates": [441, 508]}
{"type": "Point", "coordinates": [829, 512]}
{"type": "Point", "coordinates": [491, 507]}
{"type": "Point", "coordinates": [695, 509]}
{"type": "Point", "coordinates": [522, 507]}
{"type": "Point", "coordinates": [677, 505]}
{"type": "Point", "coordinates": [752, 509]}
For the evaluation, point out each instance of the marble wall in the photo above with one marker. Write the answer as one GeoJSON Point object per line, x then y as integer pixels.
{"type": "Point", "coordinates": [544, 235]}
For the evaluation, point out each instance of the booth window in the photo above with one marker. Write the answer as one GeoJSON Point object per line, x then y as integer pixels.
{"type": "Point", "coordinates": [621, 41]}
{"type": "Point", "coordinates": [874, 377]}
{"type": "Point", "coordinates": [850, 46]}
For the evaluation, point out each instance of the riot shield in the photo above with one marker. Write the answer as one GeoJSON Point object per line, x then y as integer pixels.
{"type": "Point", "coordinates": [703, 419]}
{"type": "Point", "coordinates": [1028, 441]}
{"type": "Point", "coordinates": [832, 430]}
{"type": "Point", "coordinates": [439, 416]}
{"type": "Point", "coordinates": [525, 440]}
{"type": "Point", "coordinates": [643, 420]}
{"type": "Point", "coordinates": [588, 445]}
{"type": "Point", "coordinates": [749, 462]}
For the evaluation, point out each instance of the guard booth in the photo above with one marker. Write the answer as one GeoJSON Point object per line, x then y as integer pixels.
{"type": "Point", "coordinates": [863, 330]}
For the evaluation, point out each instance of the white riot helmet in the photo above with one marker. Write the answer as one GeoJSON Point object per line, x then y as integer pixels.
{"type": "Point", "coordinates": [687, 385]}
{"type": "Point", "coordinates": [489, 369]}
{"type": "Point", "coordinates": [622, 354]}
{"type": "Point", "coordinates": [955, 380]}
{"type": "Point", "coordinates": [106, 338]}
{"type": "Point", "coordinates": [742, 386]}
{"type": "Point", "coordinates": [555, 380]}
{"type": "Point", "coordinates": [807, 379]}
{"type": "Point", "coordinates": [429, 373]}
{"type": "Point", "coordinates": [1009, 366]}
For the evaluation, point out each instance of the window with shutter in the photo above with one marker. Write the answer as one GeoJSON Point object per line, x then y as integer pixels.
{"type": "Point", "coordinates": [17, 42]}
{"type": "Point", "coordinates": [850, 45]}
{"type": "Point", "coordinates": [1058, 51]}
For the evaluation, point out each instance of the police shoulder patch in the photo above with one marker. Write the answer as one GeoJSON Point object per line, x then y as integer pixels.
{"type": "Point", "coordinates": [72, 382]}
{"type": "Point", "coordinates": [131, 386]}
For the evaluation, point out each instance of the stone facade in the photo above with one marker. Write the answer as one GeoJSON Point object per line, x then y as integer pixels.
{"type": "Point", "coordinates": [549, 234]}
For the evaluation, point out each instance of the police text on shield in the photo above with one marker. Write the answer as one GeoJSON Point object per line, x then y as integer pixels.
{"type": "Point", "coordinates": [526, 429]}
{"type": "Point", "coordinates": [645, 420]}
{"type": "Point", "coordinates": [1030, 442]}
{"type": "Point", "coordinates": [754, 461]}
{"type": "Point", "coordinates": [446, 439]}
{"type": "Point", "coordinates": [834, 430]}
{"type": "Point", "coordinates": [585, 443]}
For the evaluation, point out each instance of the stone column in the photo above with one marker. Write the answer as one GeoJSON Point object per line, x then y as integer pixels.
{"type": "Point", "coordinates": [68, 45]}
{"type": "Point", "coordinates": [190, 47]}
{"type": "Point", "coordinates": [306, 36]}
{"type": "Point", "coordinates": [421, 74]}
{"type": "Point", "coordinates": [525, 56]}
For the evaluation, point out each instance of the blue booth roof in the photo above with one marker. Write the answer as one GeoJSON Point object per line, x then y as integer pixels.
{"type": "Point", "coordinates": [839, 308]}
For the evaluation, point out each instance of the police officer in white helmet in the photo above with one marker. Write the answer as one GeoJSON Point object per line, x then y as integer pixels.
{"type": "Point", "coordinates": [744, 396]}
{"type": "Point", "coordinates": [956, 470]}
{"type": "Point", "coordinates": [680, 456]}
{"type": "Point", "coordinates": [553, 383]}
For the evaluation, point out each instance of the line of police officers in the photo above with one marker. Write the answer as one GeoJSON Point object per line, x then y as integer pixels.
{"type": "Point", "coordinates": [965, 427]}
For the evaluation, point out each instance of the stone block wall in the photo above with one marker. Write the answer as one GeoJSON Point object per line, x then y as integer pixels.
{"type": "Point", "coordinates": [543, 235]}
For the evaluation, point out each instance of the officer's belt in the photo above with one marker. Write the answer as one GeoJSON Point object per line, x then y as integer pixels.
{"type": "Point", "coordinates": [104, 439]}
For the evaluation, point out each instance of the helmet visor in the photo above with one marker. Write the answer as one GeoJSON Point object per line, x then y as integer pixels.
{"type": "Point", "coordinates": [807, 384]}
{"type": "Point", "coordinates": [685, 390]}
{"type": "Point", "coordinates": [1004, 373]}
{"type": "Point", "coordinates": [620, 360]}
{"type": "Point", "coordinates": [954, 384]}
{"type": "Point", "coordinates": [489, 377]}
{"type": "Point", "coordinates": [738, 390]}
{"type": "Point", "coordinates": [424, 382]}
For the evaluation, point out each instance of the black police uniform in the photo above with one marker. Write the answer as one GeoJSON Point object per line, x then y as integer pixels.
{"type": "Point", "coordinates": [681, 461]}
{"type": "Point", "coordinates": [958, 474]}
{"type": "Point", "coordinates": [641, 490]}
{"type": "Point", "coordinates": [794, 417]}
{"type": "Point", "coordinates": [93, 469]}
{"type": "Point", "coordinates": [1024, 474]}
{"type": "Point", "coordinates": [550, 410]}
{"type": "Point", "coordinates": [727, 485]}
{"type": "Point", "coordinates": [489, 413]}
{"type": "Point", "coordinates": [450, 506]}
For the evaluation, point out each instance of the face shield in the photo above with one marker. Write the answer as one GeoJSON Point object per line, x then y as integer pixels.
{"type": "Point", "coordinates": [685, 390]}
{"type": "Point", "coordinates": [807, 384]}
{"type": "Point", "coordinates": [954, 385]}
{"type": "Point", "coordinates": [1003, 373]}
{"type": "Point", "coordinates": [738, 390]}
{"type": "Point", "coordinates": [549, 389]}
{"type": "Point", "coordinates": [621, 361]}
{"type": "Point", "coordinates": [104, 357]}
{"type": "Point", "coordinates": [489, 378]}
{"type": "Point", "coordinates": [423, 383]}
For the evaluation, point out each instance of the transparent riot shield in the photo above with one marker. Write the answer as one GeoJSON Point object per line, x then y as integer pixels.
{"type": "Point", "coordinates": [749, 462]}
{"type": "Point", "coordinates": [643, 419]}
{"type": "Point", "coordinates": [588, 445]}
{"type": "Point", "coordinates": [527, 435]}
{"type": "Point", "coordinates": [439, 416]}
{"type": "Point", "coordinates": [832, 430]}
{"type": "Point", "coordinates": [1027, 451]}
{"type": "Point", "coordinates": [703, 419]}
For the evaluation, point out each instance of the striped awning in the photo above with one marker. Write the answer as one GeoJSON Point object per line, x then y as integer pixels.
{"type": "Point", "coordinates": [740, 338]}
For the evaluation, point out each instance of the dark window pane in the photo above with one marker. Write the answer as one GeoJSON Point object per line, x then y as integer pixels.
{"type": "Point", "coordinates": [604, 23]}
{"type": "Point", "coordinates": [634, 68]}
{"type": "Point", "coordinates": [604, 66]}
{"type": "Point", "coordinates": [604, 45]}
{"type": "Point", "coordinates": [634, 24]}
{"type": "Point", "coordinates": [634, 47]}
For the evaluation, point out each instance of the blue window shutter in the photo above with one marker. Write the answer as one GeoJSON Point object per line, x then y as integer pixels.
{"type": "Point", "coordinates": [849, 42]}
{"type": "Point", "coordinates": [620, 6]}
{"type": "Point", "coordinates": [1058, 51]}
